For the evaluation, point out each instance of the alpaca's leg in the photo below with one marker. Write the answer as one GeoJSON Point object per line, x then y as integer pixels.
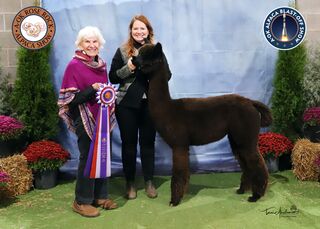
{"type": "Point", "coordinates": [255, 173]}
{"type": "Point", "coordinates": [260, 180]}
{"type": "Point", "coordinates": [245, 180]}
{"type": "Point", "coordinates": [245, 183]}
{"type": "Point", "coordinates": [180, 174]}
{"type": "Point", "coordinates": [258, 175]}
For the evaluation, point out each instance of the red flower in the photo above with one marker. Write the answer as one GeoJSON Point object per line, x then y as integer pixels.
{"type": "Point", "coordinates": [273, 144]}
{"type": "Point", "coordinates": [44, 155]}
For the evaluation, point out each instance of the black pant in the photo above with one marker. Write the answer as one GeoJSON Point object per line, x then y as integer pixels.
{"type": "Point", "coordinates": [87, 190]}
{"type": "Point", "coordinates": [134, 123]}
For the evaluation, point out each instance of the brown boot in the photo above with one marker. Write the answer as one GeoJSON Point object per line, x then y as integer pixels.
{"type": "Point", "coordinates": [107, 204]}
{"type": "Point", "coordinates": [131, 192]}
{"type": "Point", "coordinates": [86, 210]}
{"type": "Point", "coordinates": [150, 190]}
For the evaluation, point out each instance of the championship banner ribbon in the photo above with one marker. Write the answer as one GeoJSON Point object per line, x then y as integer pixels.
{"type": "Point", "coordinates": [99, 163]}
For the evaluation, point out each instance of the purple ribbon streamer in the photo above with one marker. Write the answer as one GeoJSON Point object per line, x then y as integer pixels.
{"type": "Point", "coordinates": [104, 141]}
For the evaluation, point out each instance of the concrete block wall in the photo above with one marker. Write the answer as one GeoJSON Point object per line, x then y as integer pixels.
{"type": "Point", "coordinates": [9, 8]}
{"type": "Point", "coordinates": [310, 10]}
{"type": "Point", "coordinates": [8, 45]}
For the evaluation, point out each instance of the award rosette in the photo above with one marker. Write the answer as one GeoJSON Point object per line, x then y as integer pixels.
{"type": "Point", "coordinates": [99, 163]}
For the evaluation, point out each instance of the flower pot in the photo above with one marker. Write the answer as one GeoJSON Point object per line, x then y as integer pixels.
{"type": "Point", "coordinates": [285, 162]}
{"type": "Point", "coordinates": [312, 133]}
{"type": "Point", "coordinates": [45, 180]}
{"type": "Point", "coordinates": [11, 146]}
{"type": "Point", "coordinates": [272, 164]}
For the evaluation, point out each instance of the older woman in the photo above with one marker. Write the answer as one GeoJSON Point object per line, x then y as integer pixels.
{"type": "Point", "coordinates": [78, 107]}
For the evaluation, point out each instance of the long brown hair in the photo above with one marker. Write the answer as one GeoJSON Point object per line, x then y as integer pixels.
{"type": "Point", "coordinates": [129, 44]}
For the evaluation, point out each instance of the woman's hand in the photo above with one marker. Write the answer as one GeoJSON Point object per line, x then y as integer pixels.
{"type": "Point", "coordinates": [131, 65]}
{"type": "Point", "coordinates": [96, 86]}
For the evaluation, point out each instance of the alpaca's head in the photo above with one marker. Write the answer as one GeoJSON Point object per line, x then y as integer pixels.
{"type": "Point", "coordinates": [149, 58]}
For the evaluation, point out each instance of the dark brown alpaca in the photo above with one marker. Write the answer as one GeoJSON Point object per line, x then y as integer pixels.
{"type": "Point", "coordinates": [197, 121]}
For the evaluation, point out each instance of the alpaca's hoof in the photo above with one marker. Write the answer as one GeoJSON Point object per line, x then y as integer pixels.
{"type": "Point", "coordinates": [240, 191]}
{"type": "Point", "coordinates": [174, 203]}
{"type": "Point", "coordinates": [254, 198]}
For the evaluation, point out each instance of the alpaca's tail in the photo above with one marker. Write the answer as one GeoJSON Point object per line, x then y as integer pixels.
{"type": "Point", "coordinates": [266, 116]}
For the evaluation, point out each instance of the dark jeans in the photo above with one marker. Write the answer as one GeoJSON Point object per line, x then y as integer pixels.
{"type": "Point", "coordinates": [136, 123]}
{"type": "Point", "coordinates": [87, 190]}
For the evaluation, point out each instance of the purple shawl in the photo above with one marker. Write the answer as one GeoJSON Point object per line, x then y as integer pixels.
{"type": "Point", "coordinates": [81, 73]}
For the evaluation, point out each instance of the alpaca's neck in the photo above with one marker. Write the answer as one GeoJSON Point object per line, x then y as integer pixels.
{"type": "Point", "coordinates": [159, 96]}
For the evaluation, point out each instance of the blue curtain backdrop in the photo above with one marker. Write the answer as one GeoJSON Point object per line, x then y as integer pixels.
{"type": "Point", "coordinates": [213, 48]}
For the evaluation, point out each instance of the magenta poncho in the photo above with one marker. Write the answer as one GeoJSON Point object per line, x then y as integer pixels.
{"type": "Point", "coordinates": [81, 73]}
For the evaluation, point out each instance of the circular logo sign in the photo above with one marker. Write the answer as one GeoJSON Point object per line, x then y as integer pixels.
{"type": "Point", "coordinates": [284, 28]}
{"type": "Point", "coordinates": [33, 27]}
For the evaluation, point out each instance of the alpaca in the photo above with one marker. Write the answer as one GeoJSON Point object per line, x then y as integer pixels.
{"type": "Point", "coordinates": [197, 121]}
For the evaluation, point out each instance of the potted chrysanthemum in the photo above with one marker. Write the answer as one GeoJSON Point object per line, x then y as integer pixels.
{"type": "Point", "coordinates": [272, 146]}
{"type": "Point", "coordinates": [11, 131]}
{"type": "Point", "coordinates": [311, 124]}
{"type": "Point", "coordinates": [4, 178]}
{"type": "Point", "coordinates": [45, 158]}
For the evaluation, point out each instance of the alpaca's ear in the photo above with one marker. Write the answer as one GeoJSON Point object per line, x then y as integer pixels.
{"type": "Point", "coordinates": [157, 51]}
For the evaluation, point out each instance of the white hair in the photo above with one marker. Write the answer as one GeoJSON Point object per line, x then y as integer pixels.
{"type": "Point", "coordinates": [89, 31]}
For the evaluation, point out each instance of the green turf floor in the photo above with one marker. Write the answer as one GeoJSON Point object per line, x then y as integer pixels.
{"type": "Point", "coordinates": [210, 203]}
